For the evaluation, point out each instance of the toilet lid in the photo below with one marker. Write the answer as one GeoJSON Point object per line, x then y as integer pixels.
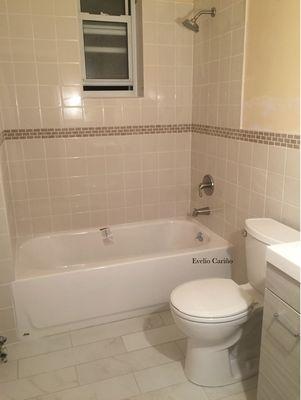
{"type": "Point", "coordinates": [211, 298]}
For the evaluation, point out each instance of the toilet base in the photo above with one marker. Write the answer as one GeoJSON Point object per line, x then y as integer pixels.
{"type": "Point", "coordinates": [215, 367]}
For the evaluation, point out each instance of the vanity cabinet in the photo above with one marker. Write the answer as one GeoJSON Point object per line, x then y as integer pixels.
{"type": "Point", "coordinates": [279, 371]}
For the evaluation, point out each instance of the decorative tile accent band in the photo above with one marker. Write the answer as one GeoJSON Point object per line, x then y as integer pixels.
{"type": "Point", "coordinates": [270, 138]}
{"type": "Point", "coordinates": [95, 131]}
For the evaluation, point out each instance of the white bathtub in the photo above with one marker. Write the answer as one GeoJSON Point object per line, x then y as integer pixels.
{"type": "Point", "coordinates": [76, 279]}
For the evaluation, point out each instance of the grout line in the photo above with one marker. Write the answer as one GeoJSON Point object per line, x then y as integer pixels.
{"type": "Point", "coordinates": [283, 187]}
{"type": "Point", "coordinates": [137, 384]}
{"type": "Point", "coordinates": [114, 357]}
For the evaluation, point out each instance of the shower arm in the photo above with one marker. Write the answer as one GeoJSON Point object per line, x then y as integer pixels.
{"type": "Point", "coordinates": [211, 12]}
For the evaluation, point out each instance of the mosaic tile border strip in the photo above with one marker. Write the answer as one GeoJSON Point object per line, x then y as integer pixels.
{"type": "Point", "coordinates": [269, 138]}
{"type": "Point", "coordinates": [97, 131]}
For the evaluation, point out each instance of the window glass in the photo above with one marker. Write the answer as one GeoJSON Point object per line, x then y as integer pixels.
{"type": "Point", "coordinates": [106, 50]}
{"type": "Point", "coordinates": [112, 7]}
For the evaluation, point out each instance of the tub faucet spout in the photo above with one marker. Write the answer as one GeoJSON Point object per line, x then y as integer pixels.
{"type": "Point", "coordinates": [201, 211]}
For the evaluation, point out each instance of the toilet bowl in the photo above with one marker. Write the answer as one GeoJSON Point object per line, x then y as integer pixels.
{"type": "Point", "coordinates": [213, 313]}
{"type": "Point", "coordinates": [213, 321]}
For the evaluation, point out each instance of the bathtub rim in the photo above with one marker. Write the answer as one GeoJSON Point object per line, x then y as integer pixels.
{"type": "Point", "coordinates": [119, 226]}
{"type": "Point", "coordinates": [217, 243]}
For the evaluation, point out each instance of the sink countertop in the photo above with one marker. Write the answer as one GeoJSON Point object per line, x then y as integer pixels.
{"type": "Point", "coordinates": [287, 258]}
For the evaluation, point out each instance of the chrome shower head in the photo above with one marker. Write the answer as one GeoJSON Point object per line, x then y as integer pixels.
{"type": "Point", "coordinates": [192, 25]}
{"type": "Point", "coordinates": [192, 22]}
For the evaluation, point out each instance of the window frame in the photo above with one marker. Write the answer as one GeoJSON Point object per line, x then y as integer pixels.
{"type": "Point", "coordinates": [130, 21]}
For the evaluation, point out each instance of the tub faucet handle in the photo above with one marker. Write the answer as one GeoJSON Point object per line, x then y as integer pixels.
{"type": "Point", "coordinates": [106, 232]}
{"type": "Point", "coordinates": [207, 185]}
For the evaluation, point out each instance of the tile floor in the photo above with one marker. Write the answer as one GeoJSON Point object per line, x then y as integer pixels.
{"type": "Point", "coordinates": [135, 359]}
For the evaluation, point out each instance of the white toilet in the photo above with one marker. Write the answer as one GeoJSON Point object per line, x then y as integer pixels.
{"type": "Point", "coordinates": [213, 312]}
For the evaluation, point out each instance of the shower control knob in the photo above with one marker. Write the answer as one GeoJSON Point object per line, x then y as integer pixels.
{"type": "Point", "coordinates": [207, 186]}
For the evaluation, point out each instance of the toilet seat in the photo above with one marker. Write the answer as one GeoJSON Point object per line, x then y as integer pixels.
{"type": "Point", "coordinates": [211, 301]}
{"type": "Point", "coordinates": [200, 320]}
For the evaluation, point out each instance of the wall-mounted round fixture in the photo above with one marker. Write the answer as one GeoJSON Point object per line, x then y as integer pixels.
{"type": "Point", "coordinates": [207, 186]}
{"type": "Point", "coordinates": [192, 22]}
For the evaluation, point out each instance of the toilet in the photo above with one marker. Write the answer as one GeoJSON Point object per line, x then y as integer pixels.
{"type": "Point", "coordinates": [213, 313]}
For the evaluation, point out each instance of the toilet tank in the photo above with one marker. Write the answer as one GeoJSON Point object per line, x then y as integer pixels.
{"type": "Point", "coordinates": [261, 233]}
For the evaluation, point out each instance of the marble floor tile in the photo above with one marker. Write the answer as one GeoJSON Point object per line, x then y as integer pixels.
{"type": "Point", "coordinates": [78, 393]}
{"type": "Point", "coordinates": [159, 377]}
{"type": "Point", "coordinates": [70, 357]}
{"type": "Point", "coordinates": [182, 391]}
{"type": "Point", "coordinates": [217, 393]}
{"type": "Point", "coordinates": [151, 356]}
{"type": "Point", "coordinates": [56, 380]}
{"type": "Point", "coordinates": [128, 362]}
{"type": "Point", "coordinates": [152, 337]}
{"type": "Point", "coordinates": [8, 371]}
{"type": "Point", "coordinates": [250, 395]}
{"type": "Point", "coordinates": [101, 370]}
{"type": "Point", "coordinates": [120, 388]}
{"type": "Point", "coordinates": [97, 350]}
{"type": "Point", "coordinates": [182, 343]}
{"type": "Point", "coordinates": [115, 329]}
{"type": "Point", "coordinates": [167, 318]}
{"type": "Point", "coordinates": [46, 363]}
{"type": "Point", "coordinates": [135, 359]}
{"type": "Point", "coordinates": [30, 348]}
{"type": "Point", "coordinates": [21, 389]}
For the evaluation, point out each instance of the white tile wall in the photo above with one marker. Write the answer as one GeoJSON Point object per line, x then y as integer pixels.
{"type": "Point", "coordinates": [61, 184]}
{"type": "Point", "coordinates": [218, 64]}
{"type": "Point", "coordinates": [251, 180]}
{"type": "Point", "coordinates": [40, 77]}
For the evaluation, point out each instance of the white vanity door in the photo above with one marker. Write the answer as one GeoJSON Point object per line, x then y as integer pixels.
{"type": "Point", "coordinates": [280, 351]}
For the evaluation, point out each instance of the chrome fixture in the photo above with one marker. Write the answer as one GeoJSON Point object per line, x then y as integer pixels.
{"type": "Point", "coordinates": [3, 350]}
{"type": "Point", "coordinates": [199, 237]}
{"type": "Point", "coordinates": [201, 211]}
{"type": "Point", "coordinates": [207, 186]}
{"type": "Point", "coordinates": [106, 233]}
{"type": "Point", "coordinates": [192, 22]}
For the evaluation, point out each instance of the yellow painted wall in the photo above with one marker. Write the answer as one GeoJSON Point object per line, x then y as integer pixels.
{"type": "Point", "coordinates": [272, 66]}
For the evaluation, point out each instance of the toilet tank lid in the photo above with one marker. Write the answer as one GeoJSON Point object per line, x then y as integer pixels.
{"type": "Point", "coordinates": [269, 231]}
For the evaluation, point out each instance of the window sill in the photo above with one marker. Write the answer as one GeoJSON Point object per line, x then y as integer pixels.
{"type": "Point", "coordinates": [113, 94]}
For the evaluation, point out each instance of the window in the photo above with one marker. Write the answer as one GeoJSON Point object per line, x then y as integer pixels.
{"type": "Point", "coordinates": [111, 47]}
